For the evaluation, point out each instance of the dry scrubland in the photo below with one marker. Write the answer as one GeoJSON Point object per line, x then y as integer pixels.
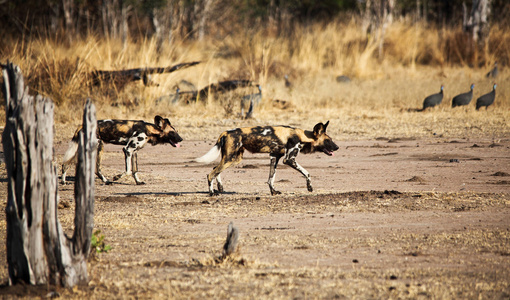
{"type": "Point", "coordinates": [416, 62]}
{"type": "Point", "coordinates": [165, 243]}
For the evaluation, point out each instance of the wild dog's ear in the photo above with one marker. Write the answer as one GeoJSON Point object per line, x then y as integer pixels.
{"type": "Point", "coordinates": [158, 120]}
{"type": "Point", "coordinates": [319, 129]}
{"type": "Point", "coordinates": [326, 125]}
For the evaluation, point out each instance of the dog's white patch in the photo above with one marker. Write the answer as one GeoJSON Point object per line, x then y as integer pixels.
{"type": "Point", "coordinates": [291, 151]}
{"type": "Point", "coordinates": [141, 140]}
{"type": "Point", "coordinates": [267, 131]}
{"type": "Point", "coordinates": [123, 139]}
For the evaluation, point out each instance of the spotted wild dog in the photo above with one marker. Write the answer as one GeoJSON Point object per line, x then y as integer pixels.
{"type": "Point", "coordinates": [278, 141]}
{"type": "Point", "coordinates": [133, 135]}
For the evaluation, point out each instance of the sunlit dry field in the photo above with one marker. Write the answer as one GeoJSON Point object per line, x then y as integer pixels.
{"type": "Point", "coordinates": [413, 204]}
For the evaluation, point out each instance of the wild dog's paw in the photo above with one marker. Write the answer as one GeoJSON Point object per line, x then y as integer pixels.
{"type": "Point", "coordinates": [310, 188]}
{"type": "Point", "coordinates": [274, 192]}
{"type": "Point", "coordinates": [108, 182]}
{"type": "Point", "coordinates": [140, 182]}
{"type": "Point", "coordinates": [119, 176]}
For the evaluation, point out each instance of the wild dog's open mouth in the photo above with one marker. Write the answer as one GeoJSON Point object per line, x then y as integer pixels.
{"type": "Point", "coordinates": [177, 145]}
{"type": "Point", "coordinates": [329, 153]}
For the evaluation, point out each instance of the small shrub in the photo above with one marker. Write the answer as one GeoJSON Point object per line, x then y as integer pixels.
{"type": "Point", "coordinates": [97, 242]}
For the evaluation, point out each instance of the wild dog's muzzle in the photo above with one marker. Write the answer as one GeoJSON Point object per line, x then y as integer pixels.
{"type": "Point", "coordinates": [329, 148]}
{"type": "Point", "coordinates": [174, 139]}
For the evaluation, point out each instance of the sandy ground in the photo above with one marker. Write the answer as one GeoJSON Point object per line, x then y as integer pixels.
{"type": "Point", "coordinates": [387, 219]}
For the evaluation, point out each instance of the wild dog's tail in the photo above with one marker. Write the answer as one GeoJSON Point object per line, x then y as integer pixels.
{"type": "Point", "coordinates": [214, 152]}
{"type": "Point", "coordinates": [71, 151]}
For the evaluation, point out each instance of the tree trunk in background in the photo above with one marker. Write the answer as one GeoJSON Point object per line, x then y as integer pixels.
{"type": "Point", "coordinates": [273, 17]}
{"type": "Point", "coordinates": [164, 20]}
{"type": "Point", "coordinates": [68, 7]}
{"type": "Point", "coordinates": [418, 11]}
{"type": "Point", "coordinates": [378, 15]}
{"type": "Point", "coordinates": [204, 16]}
{"type": "Point", "coordinates": [54, 17]}
{"type": "Point", "coordinates": [386, 18]}
{"type": "Point", "coordinates": [38, 251]}
{"type": "Point", "coordinates": [157, 24]}
{"type": "Point", "coordinates": [124, 26]}
{"type": "Point", "coordinates": [478, 21]}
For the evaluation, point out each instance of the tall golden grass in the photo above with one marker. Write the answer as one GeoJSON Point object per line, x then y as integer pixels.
{"type": "Point", "coordinates": [379, 101]}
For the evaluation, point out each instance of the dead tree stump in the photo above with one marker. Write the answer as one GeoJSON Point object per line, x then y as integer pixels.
{"type": "Point", "coordinates": [38, 251]}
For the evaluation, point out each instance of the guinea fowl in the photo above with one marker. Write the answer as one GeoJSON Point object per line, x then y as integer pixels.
{"type": "Point", "coordinates": [176, 96]}
{"type": "Point", "coordinates": [170, 99]}
{"type": "Point", "coordinates": [253, 99]}
{"type": "Point", "coordinates": [494, 72]}
{"type": "Point", "coordinates": [343, 78]}
{"type": "Point", "coordinates": [464, 98]}
{"type": "Point", "coordinates": [487, 99]}
{"type": "Point", "coordinates": [433, 100]}
{"type": "Point", "coordinates": [288, 84]}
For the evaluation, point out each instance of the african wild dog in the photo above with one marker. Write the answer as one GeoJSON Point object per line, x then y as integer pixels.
{"type": "Point", "coordinates": [133, 135]}
{"type": "Point", "coordinates": [278, 141]}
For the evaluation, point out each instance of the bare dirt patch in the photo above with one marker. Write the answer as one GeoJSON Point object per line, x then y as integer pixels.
{"type": "Point", "coordinates": [387, 219]}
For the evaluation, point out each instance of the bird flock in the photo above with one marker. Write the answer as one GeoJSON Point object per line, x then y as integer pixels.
{"type": "Point", "coordinates": [464, 99]}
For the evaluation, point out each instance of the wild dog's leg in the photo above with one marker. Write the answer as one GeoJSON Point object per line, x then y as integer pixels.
{"type": "Point", "coordinates": [134, 167]}
{"type": "Point", "coordinates": [242, 108]}
{"type": "Point", "coordinates": [135, 143]}
{"type": "Point", "coordinates": [235, 160]}
{"type": "Point", "coordinates": [210, 183]}
{"type": "Point", "coordinates": [232, 152]}
{"type": "Point", "coordinates": [65, 167]}
{"type": "Point", "coordinates": [128, 161]}
{"type": "Point", "coordinates": [249, 114]}
{"type": "Point", "coordinates": [100, 149]}
{"type": "Point", "coordinates": [224, 163]}
{"type": "Point", "coordinates": [219, 183]}
{"type": "Point", "coordinates": [272, 173]}
{"type": "Point", "coordinates": [290, 160]}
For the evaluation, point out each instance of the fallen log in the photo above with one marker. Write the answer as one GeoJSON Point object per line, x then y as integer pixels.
{"type": "Point", "coordinates": [120, 78]}
{"type": "Point", "coordinates": [219, 87]}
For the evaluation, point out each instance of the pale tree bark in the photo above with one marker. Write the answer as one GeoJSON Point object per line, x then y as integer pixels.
{"type": "Point", "coordinates": [124, 26]}
{"type": "Point", "coordinates": [273, 17]}
{"type": "Point", "coordinates": [68, 8]}
{"type": "Point", "coordinates": [110, 21]}
{"type": "Point", "coordinates": [478, 21]}
{"type": "Point", "coordinates": [378, 15]}
{"type": "Point", "coordinates": [157, 18]}
{"type": "Point", "coordinates": [204, 16]}
{"type": "Point", "coordinates": [115, 15]}
{"type": "Point", "coordinates": [164, 21]}
{"type": "Point", "coordinates": [38, 251]}
{"type": "Point", "coordinates": [387, 7]}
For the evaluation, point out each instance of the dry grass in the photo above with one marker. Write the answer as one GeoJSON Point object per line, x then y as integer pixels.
{"type": "Point", "coordinates": [378, 102]}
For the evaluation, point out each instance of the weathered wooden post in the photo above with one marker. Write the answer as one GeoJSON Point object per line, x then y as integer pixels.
{"type": "Point", "coordinates": [38, 251]}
